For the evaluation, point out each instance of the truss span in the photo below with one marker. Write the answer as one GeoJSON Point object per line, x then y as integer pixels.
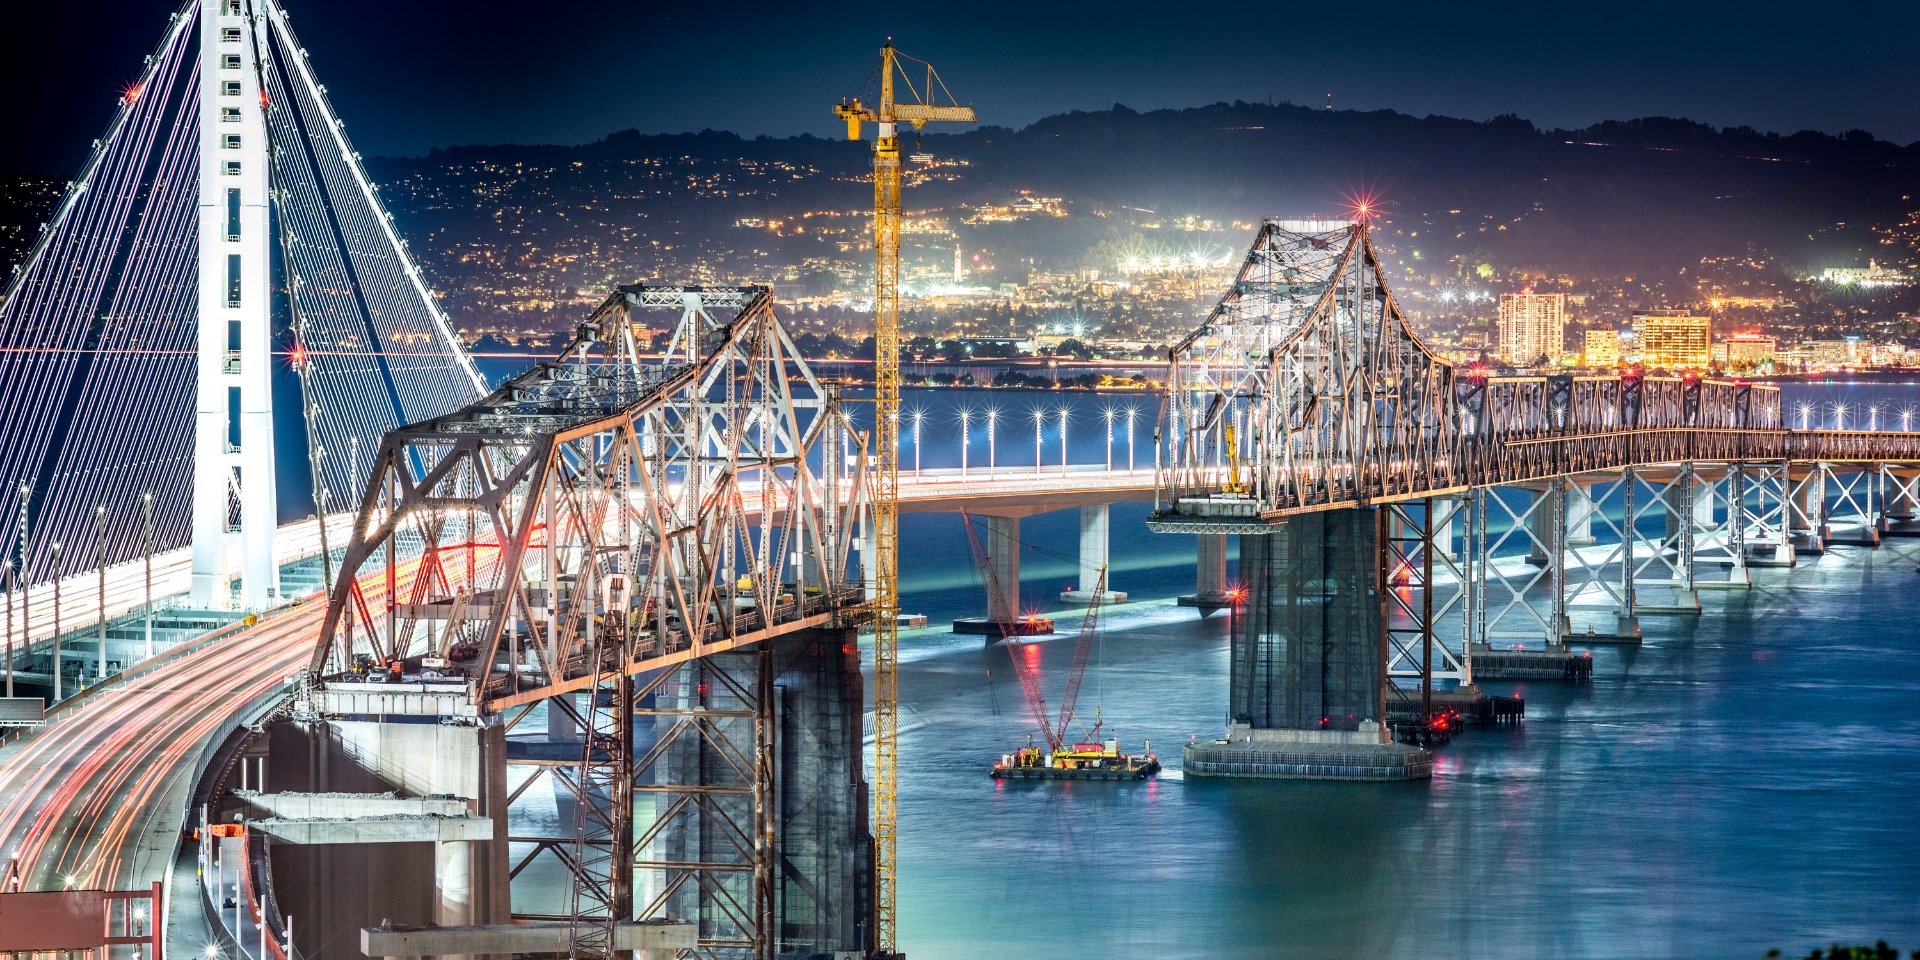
{"type": "Point", "coordinates": [1306, 389]}
{"type": "Point", "coordinates": [658, 510]}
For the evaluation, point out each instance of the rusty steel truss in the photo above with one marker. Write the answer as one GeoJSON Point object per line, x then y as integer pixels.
{"type": "Point", "coordinates": [1306, 389]}
{"type": "Point", "coordinates": [656, 509]}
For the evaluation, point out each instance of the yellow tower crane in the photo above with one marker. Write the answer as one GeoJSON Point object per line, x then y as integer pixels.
{"type": "Point", "coordinates": [919, 104]}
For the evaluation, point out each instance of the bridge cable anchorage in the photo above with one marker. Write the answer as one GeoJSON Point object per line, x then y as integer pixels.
{"type": "Point", "coordinates": [601, 516]}
{"type": "Point", "coordinates": [927, 101]}
{"type": "Point", "coordinates": [136, 353]}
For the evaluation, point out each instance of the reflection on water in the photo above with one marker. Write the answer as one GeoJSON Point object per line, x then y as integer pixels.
{"type": "Point", "coordinates": [1747, 779]}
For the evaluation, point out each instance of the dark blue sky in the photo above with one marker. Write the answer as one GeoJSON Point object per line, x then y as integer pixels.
{"type": "Point", "coordinates": [409, 76]}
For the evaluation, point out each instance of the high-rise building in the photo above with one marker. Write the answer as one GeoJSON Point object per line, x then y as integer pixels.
{"type": "Point", "coordinates": [1602, 349]}
{"type": "Point", "coordinates": [1674, 339]}
{"type": "Point", "coordinates": [1750, 353]}
{"type": "Point", "coordinates": [1533, 327]}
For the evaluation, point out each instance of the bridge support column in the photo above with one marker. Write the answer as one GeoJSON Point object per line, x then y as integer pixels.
{"type": "Point", "coordinates": [1719, 528]}
{"type": "Point", "coordinates": [1900, 501]}
{"type": "Point", "coordinates": [1765, 514]}
{"type": "Point", "coordinates": [1808, 509]}
{"type": "Point", "coordinates": [1668, 561]}
{"type": "Point", "coordinates": [1093, 556]}
{"type": "Point", "coordinates": [1854, 504]}
{"type": "Point", "coordinates": [561, 725]}
{"type": "Point", "coordinates": [1425, 586]}
{"type": "Point", "coordinates": [753, 816]}
{"type": "Point", "coordinates": [428, 759]}
{"type": "Point", "coordinates": [1210, 574]}
{"type": "Point", "coordinates": [1306, 686]}
{"type": "Point", "coordinates": [1508, 620]}
{"type": "Point", "coordinates": [453, 882]}
{"type": "Point", "coordinates": [1597, 594]}
{"type": "Point", "coordinates": [1445, 511]}
{"type": "Point", "coordinates": [234, 501]}
{"type": "Point", "coordinates": [1003, 609]}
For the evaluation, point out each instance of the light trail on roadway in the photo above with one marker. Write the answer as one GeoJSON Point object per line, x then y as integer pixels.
{"type": "Point", "coordinates": [79, 797]}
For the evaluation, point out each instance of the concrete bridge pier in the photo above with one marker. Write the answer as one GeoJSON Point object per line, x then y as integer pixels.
{"type": "Point", "coordinates": [1547, 523]}
{"type": "Point", "coordinates": [1306, 688]}
{"type": "Point", "coordinates": [1002, 544]}
{"type": "Point", "coordinates": [436, 759]}
{"type": "Point", "coordinates": [1579, 507]}
{"type": "Point", "coordinates": [1093, 557]}
{"type": "Point", "coordinates": [1210, 591]}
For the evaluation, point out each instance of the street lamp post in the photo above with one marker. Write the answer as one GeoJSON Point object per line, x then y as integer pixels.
{"type": "Point", "coordinates": [100, 598]}
{"type": "Point", "coordinates": [1039, 423]}
{"type": "Point", "coordinates": [993, 418]}
{"type": "Point", "coordinates": [24, 578]}
{"type": "Point", "coordinates": [1063, 439]}
{"type": "Point", "coordinates": [58, 679]}
{"type": "Point", "coordinates": [1131, 411]}
{"type": "Point", "coordinates": [146, 503]}
{"type": "Point", "coordinates": [1109, 413]}
{"type": "Point", "coordinates": [966, 438]}
{"type": "Point", "coordinates": [11, 583]}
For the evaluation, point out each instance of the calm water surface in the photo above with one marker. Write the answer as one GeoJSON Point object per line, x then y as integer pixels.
{"type": "Point", "coordinates": [1746, 779]}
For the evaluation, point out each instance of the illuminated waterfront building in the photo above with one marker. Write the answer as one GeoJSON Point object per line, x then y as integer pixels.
{"type": "Point", "coordinates": [1602, 349]}
{"type": "Point", "coordinates": [1674, 339]}
{"type": "Point", "coordinates": [1750, 353]}
{"type": "Point", "coordinates": [1533, 327]}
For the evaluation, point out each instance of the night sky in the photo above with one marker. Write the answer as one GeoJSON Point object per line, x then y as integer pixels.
{"type": "Point", "coordinates": [409, 76]}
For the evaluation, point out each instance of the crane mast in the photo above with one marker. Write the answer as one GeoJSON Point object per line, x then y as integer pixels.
{"type": "Point", "coordinates": [919, 108]}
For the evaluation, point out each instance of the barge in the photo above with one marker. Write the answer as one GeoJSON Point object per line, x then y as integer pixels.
{"type": "Point", "coordinates": [1081, 761]}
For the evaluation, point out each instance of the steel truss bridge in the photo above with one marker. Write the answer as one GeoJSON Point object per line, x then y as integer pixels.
{"type": "Point", "coordinates": [1307, 391]}
{"type": "Point", "coordinates": [672, 509]}
{"type": "Point", "coordinates": [589, 527]}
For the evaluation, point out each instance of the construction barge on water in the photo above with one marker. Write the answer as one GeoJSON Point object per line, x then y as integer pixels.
{"type": "Point", "coordinates": [1082, 761]}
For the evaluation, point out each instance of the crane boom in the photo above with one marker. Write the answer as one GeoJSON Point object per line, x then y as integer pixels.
{"type": "Point", "coordinates": [918, 108]}
{"type": "Point", "coordinates": [1082, 649]}
{"type": "Point", "coordinates": [1029, 674]}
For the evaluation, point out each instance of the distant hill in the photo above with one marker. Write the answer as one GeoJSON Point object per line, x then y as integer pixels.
{"type": "Point", "coordinates": [1615, 197]}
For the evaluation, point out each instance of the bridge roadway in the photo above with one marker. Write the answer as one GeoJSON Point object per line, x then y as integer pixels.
{"type": "Point", "coordinates": [928, 490]}
{"type": "Point", "coordinates": [97, 797]}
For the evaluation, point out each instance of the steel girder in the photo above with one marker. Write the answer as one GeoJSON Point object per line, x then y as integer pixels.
{"type": "Point", "coordinates": [670, 508]}
{"type": "Point", "coordinates": [1425, 584]}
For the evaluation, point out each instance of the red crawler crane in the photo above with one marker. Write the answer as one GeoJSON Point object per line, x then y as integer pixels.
{"type": "Point", "coordinates": [1054, 730]}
